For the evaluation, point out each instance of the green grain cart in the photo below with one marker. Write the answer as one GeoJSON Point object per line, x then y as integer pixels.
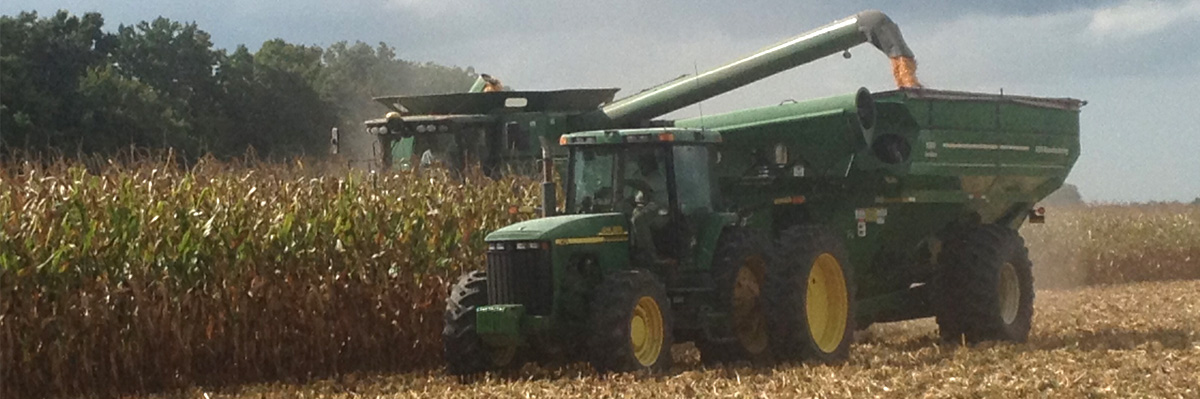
{"type": "Point", "coordinates": [770, 234]}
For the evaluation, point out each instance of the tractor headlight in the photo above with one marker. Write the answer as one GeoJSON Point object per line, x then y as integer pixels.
{"type": "Point", "coordinates": [519, 246]}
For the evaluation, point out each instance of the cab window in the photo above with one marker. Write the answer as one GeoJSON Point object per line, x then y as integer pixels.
{"type": "Point", "coordinates": [645, 172]}
{"type": "Point", "coordinates": [592, 183]}
{"type": "Point", "coordinates": [692, 180]}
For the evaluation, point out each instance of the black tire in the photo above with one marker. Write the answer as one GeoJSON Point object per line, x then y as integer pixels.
{"type": "Point", "coordinates": [464, 351]}
{"type": "Point", "coordinates": [611, 346]}
{"type": "Point", "coordinates": [800, 250]}
{"type": "Point", "coordinates": [974, 289]}
{"type": "Point", "coordinates": [741, 262]}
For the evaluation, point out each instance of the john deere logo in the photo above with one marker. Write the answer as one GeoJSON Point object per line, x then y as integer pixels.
{"type": "Point", "coordinates": [612, 231]}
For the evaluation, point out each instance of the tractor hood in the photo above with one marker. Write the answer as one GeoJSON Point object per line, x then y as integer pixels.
{"type": "Point", "coordinates": [601, 227]}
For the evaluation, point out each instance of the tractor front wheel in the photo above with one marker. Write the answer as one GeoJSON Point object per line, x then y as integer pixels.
{"type": "Point", "coordinates": [464, 351]}
{"type": "Point", "coordinates": [630, 324]}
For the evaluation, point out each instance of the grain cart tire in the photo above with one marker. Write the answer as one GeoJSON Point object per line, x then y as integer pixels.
{"type": "Point", "coordinates": [464, 351]}
{"type": "Point", "coordinates": [810, 297]}
{"type": "Point", "coordinates": [739, 270]}
{"type": "Point", "coordinates": [984, 287]}
{"type": "Point", "coordinates": [630, 324]}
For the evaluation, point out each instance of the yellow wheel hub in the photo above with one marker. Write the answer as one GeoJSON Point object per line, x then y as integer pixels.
{"type": "Point", "coordinates": [828, 303]}
{"type": "Point", "coordinates": [646, 331]}
{"type": "Point", "coordinates": [749, 320]}
{"type": "Point", "coordinates": [1010, 293]}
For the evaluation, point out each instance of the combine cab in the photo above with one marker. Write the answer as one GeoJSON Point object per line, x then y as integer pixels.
{"type": "Point", "coordinates": [497, 130]}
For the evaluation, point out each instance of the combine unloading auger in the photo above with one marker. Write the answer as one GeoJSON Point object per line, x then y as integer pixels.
{"type": "Point", "coordinates": [865, 27]}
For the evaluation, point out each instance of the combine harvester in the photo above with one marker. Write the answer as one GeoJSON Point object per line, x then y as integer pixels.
{"type": "Point", "coordinates": [766, 234]}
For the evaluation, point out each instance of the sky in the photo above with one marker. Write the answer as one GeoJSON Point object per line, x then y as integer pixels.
{"type": "Point", "coordinates": [1136, 62]}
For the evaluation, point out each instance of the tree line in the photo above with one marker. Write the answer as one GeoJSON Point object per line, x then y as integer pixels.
{"type": "Point", "coordinates": [69, 87]}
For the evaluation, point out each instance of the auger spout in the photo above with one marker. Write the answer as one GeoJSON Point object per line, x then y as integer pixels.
{"type": "Point", "coordinates": [865, 27]}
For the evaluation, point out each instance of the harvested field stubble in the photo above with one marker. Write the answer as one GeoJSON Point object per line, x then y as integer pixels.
{"type": "Point", "coordinates": [1137, 340]}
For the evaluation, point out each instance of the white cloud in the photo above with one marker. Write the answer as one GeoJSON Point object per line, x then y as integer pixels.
{"type": "Point", "coordinates": [1141, 17]}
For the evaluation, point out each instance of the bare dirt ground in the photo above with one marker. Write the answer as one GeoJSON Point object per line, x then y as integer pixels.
{"type": "Point", "coordinates": [1122, 341]}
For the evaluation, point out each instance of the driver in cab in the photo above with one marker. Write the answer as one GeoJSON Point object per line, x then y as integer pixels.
{"type": "Point", "coordinates": [650, 204]}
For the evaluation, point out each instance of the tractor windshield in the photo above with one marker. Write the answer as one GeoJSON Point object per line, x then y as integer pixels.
{"type": "Point", "coordinates": [592, 172]}
{"type": "Point", "coordinates": [614, 179]}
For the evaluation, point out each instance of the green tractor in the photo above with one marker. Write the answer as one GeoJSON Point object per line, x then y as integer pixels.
{"type": "Point", "coordinates": [770, 234]}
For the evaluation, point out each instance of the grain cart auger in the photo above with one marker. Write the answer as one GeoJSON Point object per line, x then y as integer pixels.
{"type": "Point", "coordinates": [769, 234]}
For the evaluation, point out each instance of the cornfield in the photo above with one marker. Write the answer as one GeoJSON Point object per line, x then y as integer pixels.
{"type": "Point", "coordinates": [1109, 244]}
{"type": "Point", "coordinates": [144, 276]}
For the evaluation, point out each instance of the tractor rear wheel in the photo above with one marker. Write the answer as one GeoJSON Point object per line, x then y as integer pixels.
{"type": "Point", "coordinates": [984, 287]}
{"type": "Point", "coordinates": [739, 270]}
{"type": "Point", "coordinates": [464, 351]}
{"type": "Point", "coordinates": [810, 296]}
{"type": "Point", "coordinates": [630, 324]}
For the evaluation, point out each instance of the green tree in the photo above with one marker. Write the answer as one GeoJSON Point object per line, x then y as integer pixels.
{"type": "Point", "coordinates": [65, 84]}
{"type": "Point", "coordinates": [303, 61]}
{"type": "Point", "coordinates": [1067, 195]}
{"type": "Point", "coordinates": [41, 63]}
{"type": "Point", "coordinates": [175, 58]}
{"type": "Point", "coordinates": [120, 112]}
{"type": "Point", "coordinates": [178, 61]}
{"type": "Point", "coordinates": [271, 103]}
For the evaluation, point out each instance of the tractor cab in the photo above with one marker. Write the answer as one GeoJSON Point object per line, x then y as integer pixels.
{"type": "Point", "coordinates": [660, 179]}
